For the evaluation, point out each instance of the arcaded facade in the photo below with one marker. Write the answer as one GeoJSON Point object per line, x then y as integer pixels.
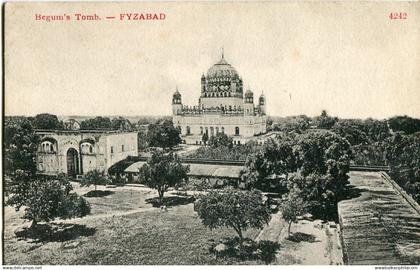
{"type": "Point", "coordinates": [223, 107]}
{"type": "Point", "coordinates": [74, 153]}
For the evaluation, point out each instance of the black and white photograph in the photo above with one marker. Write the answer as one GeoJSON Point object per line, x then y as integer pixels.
{"type": "Point", "coordinates": [281, 133]}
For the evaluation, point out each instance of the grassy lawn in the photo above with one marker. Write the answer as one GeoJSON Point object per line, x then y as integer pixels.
{"type": "Point", "coordinates": [120, 235]}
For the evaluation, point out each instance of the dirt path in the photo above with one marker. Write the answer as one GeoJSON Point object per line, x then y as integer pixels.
{"type": "Point", "coordinates": [316, 244]}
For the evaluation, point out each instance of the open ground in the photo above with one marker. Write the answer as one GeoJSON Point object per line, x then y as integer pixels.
{"type": "Point", "coordinates": [124, 229]}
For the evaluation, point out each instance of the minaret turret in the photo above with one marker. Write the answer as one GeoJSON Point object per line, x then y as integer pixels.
{"type": "Point", "coordinates": [249, 103]}
{"type": "Point", "coordinates": [176, 103]}
{"type": "Point", "coordinates": [261, 103]}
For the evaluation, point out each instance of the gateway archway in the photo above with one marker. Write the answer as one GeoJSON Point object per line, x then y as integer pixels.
{"type": "Point", "coordinates": [72, 162]}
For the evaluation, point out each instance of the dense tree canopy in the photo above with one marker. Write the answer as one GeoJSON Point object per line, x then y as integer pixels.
{"type": "Point", "coordinates": [220, 139]}
{"type": "Point", "coordinates": [163, 134]}
{"type": "Point", "coordinates": [163, 171]}
{"type": "Point", "coordinates": [45, 198]}
{"type": "Point", "coordinates": [325, 121]}
{"type": "Point", "coordinates": [239, 152]}
{"type": "Point", "coordinates": [315, 163]}
{"type": "Point", "coordinates": [277, 156]}
{"type": "Point", "coordinates": [47, 121]}
{"type": "Point", "coordinates": [292, 123]}
{"type": "Point", "coordinates": [404, 123]}
{"type": "Point", "coordinates": [98, 122]}
{"type": "Point", "coordinates": [239, 210]}
{"type": "Point", "coordinates": [122, 124]}
{"type": "Point", "coordinates": [20, 146]}
{"type": "Point", "coordinates": [403, 155]}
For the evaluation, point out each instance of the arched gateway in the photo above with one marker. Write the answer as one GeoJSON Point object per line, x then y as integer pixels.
{"type": "Point", "coordinates": [72, 162]}
{"type": "Point", "coordinates": [76, 152]}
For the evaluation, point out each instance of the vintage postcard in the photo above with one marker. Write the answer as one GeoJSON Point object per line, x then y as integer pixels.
{"type": "Point", "coordinates": [211, 133]}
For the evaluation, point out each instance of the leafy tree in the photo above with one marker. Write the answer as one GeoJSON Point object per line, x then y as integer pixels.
{"type": "Point", "coordinates": [404, 123]}
{"type": "Point", "coordinates": [351, 130]}
{"type": "Point", "coordinates": [47, 121]}
{"type": "Point", "coordinates": [121, 123]}
{"type": "Point", "coordinates": [20, 146]}
{"type": "Point", "coordinates": [45, 198]}
{"type": "Point", "coordinates": [94, 177]}
{"type": "Point", "coordinates": [297, 124]}
{"type": "Point", "coordinates": [96, 123]}
{"type": "Point", "coordinates": [205, 138]}
{"type": "Point", "coordinates": [163, 134]}
{"type": "Point", "coordinates": [221, 139]}
{"type": "Point", "coordinates": [403, 155]}
{"type": "Point", "coordinates": [278, 156]}
{"type": "Point", "coordinates": [239, 152]}
{"type": "Point", "coordinates": [163, 171]}
{"type": "Point", "coordinates": [292, 207]}
{"type": "Point", "coordinates": [316, 163]}
{"type": "Point", "coordinates": [235, 209]}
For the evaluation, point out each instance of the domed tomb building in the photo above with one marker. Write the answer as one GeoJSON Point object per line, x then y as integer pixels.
{"type": "Point", "coordinates": [223, 107]}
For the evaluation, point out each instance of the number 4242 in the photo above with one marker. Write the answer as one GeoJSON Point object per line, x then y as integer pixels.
{"type": "Point", "coordinates": [398, 15]}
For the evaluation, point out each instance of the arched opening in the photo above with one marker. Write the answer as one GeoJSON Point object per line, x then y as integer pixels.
{"type": "Point", "coordinates": [72, 162]}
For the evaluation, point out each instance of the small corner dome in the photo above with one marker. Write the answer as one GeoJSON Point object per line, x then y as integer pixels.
{"type": "Point", "coordinates": [249, 93]}
{"type": "Point", "coordinates": [177, 93]}
{"type": "Point", "coordinates": [262, 97]}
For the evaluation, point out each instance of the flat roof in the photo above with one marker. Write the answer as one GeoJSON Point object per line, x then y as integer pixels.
{"type": "Point", "coordinates": [79, 131]}
{"type": "Point", "coordinates": [209, 170]}
{"type": "Point", "coordinates": [379, 226]}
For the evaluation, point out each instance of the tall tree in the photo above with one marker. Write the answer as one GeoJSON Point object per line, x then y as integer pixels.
{"type": "Point", "coordinates": [292, 207]}
{"type": "Point", "coordinates": [163, 171]}
{"type": "Point", "coordinates": [163, 134]}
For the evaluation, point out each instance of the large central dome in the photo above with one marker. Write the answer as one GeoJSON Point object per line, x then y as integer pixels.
{"type": "Point", "coordinates": [222, 69]}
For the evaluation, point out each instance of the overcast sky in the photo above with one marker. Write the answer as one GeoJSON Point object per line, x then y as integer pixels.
{"type": "Point", "coordinates": [349, 59]}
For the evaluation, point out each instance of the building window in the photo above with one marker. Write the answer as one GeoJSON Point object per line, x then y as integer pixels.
{"type": "Point", "coordinates": [201, 130]}
{"type": "Point", "coordinates": [51, 148]}
{"type": "Point", "coordinates": [236, 130]}
{"type": "Point", "coordinates": [112, 149]}
{"type": "Point", "coordinates": [239, 142]}
{"type": "Point", "coordinates": [90, 149]}
{"type": "Point", "coordinates": [188, 130]}
{"type": "Point", "coordinates": [122, 148]}
{"type": "Point", "coordinates": [207, 131]}
{"type": "Point", "coordinates": [211, 131]}
{"type": "Point", "coordinates": [217, 130]}
{"type": "Point", "coordinates": [223, 130]}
